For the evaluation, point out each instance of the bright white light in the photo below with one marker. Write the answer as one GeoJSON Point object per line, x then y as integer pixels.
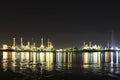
{"type": "Point", "coordinates": [112, 48]}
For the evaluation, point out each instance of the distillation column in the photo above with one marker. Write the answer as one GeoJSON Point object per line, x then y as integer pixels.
{"type": "Point", "coordinates": [13, 47]}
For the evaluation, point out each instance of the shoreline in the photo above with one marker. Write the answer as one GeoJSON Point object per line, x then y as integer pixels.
{"type": "Point", "coordinates": [11, 50]}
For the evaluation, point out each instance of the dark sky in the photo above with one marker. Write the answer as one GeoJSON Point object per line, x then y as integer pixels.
{"type": "Point", "coordinates": [67, 23]}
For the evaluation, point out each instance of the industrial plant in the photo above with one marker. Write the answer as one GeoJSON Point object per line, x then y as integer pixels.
{"type": "Point", "coordinates": [29, 46]}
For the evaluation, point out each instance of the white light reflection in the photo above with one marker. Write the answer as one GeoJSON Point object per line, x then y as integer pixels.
{"type": "Point", "coordinates": [59, 57]}
{"type": "Point", "coordinates": [95, 57]}
{"type": "Point", "coordinates": [59, 60]}
{"type": "Point", "coordinates": [91, 58]}
{"type": "Point", "coordinates": [117, 69]}
{"type": "Point", "coordinates": [111, 57]}
{"type": "Point", "coordinates": [117, 57]}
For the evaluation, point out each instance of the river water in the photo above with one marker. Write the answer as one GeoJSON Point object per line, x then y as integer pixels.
{"type": "Point", "coordinates": [60, 65]}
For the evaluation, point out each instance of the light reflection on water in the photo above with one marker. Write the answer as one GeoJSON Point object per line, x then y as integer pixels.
{"type": "Point", "coordinates": [96, 62]}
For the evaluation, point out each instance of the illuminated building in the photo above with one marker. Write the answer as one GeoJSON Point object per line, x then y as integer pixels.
{"type": "Point", "coordinates": [49, 46]}
{"type": "Point", "coordinates": [33, 47]}
{"type": "Point", "coordinates": [14, 45]}
{"type": "Point", "coordinates": [28, 45]}
{"type": "Point", "coordinates": [42, 46]}
{"type": "Point", "coordinates": [91, 47]}
{"type": "Point", "coordinates": [5, 46]}
{"type": "Point", "coordinates": [21, 43]}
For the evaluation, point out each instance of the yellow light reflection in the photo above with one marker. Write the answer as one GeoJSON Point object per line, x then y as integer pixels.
{"type": "Point", "coordinates": [64, 57]}
{"type": "Point", "coordinates": [49, 61]}
{"type": "Point", "coordinates": [22, 57]}
{"type": "Point", "coordinates": [5, 56]}
{"type": "Point", "coordinates": [13, 56]}
{"type": "Point", "coordinates": [38, 57]}
{"type": "Point", "coordinates": [85, 66]}
{"type": "Point", "coordinates": [27, 56]}
{"type": "Point", "coordinates": [30, 57]}
{"type": "Point", "coordinates": [85, 57]}
{"type": "Point", "coordinates": [98, 58]}
{"type": "Point", "coordinates": [13, 61]}
{"type": "Point", "coordinates": [34, 57]}
{"type": "Point", "coordinates": [42, 57]}
{"type": "Point", "coordinates": [4, 64]}
{"type": "Point", "coordinates": [69, 60]}
{"type": "Point", "coordinates": [107, 57]}
{"type": "Point", "coordinates": [69, 57]}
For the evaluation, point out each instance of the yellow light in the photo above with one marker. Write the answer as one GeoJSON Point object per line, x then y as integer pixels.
{"type": "Point", "coordinates": [34, 57]}
{"type": "Point", "coordinates": [69, 60]}
{"type": "Point", "coordinates": [27, 55]}
{"type": "Point", "coordinates": [49, 60]}
{"type": "Point", "coordinates": [5, 46]}
{"type": "Point", "coordinates": [13, 56]}
{"type": "Point", "coordinates": [85, 57]}
{"type": "Point", "coordinates": [5, 55]}
{"type": "Point", "coordinates": [42, 57]}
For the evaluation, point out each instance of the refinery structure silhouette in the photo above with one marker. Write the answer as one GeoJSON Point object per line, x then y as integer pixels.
{"type": "Point", "coordinates": [29, 46]}
{"type": "Point", "coordinates": [86, 46]}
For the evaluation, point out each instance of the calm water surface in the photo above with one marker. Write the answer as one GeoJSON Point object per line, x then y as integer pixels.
{"type": "Point", "coordinates": [60, 65]}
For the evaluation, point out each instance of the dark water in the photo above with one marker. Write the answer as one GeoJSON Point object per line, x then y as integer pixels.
{"type": "Point", "coordinates": [60, 65]}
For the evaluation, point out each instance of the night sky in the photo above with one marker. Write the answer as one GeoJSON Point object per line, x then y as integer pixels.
{"type": "Point", "coordinates": [67, 23]}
